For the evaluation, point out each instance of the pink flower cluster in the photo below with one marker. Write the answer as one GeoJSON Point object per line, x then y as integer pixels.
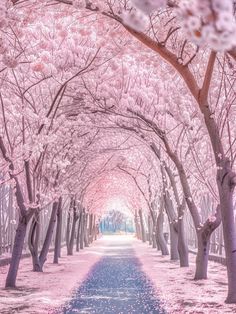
{"type": "Point", "coordinates": [209, 21]}
{"type": "Point", "coordinates": [137, 18]}
{"type": "Point", "coordinates": [3, 14]}
{"type": "Point", "coordinates": [149, 6]}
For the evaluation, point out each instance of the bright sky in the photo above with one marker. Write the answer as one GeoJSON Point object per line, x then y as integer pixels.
{"type": "Point", "coordinates": [117, 204]}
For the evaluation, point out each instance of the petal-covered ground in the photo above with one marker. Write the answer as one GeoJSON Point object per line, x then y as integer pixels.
{"type": "Point", "coordinates": [39, 293]}
{"type": "Point", "coordinates": [120, 267]}
{"type": "Point", "coordinates": [116, 285]}
{"type": "Point", "coordinates": [176, 287]}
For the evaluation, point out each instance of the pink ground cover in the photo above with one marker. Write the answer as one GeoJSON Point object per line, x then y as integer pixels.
{"type": "Point", "coordinates": [177, 289]}
{"type": "Point", "coordinates": [41, 292]}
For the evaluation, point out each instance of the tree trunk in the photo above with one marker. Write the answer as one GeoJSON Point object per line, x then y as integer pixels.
{"type": "Point", "coordinates": [82, 230]}
{"type": "Point", "coordinates": [86, 230]}
{"type": "Point", "coordinates": [57, 249]}
{"type": "Point", "coordinates": [90, 216]}
{"type": "Point", "coordinates": [153, 224]}
{"type": "Point", "coordinates": [68, 226]}
{"type": "Point", "coordinates": [204, 236]}
{"type": "Point", "coordinates": [142, 225]}
{"type": "Point", "coordinates": [182, 245]}
{"type": "Point", "coordinates": [159, 234]}
{"type": "Point", "coordinates": [213, 247]}
{"type": "Point", "coordinates": [150, 230]}
{"type": "Point", "coordinates": [202, 257]}
{"type": "Point", "coordinates": [72, 234]}
{"type": "Point", "coordinates": [1, 224]}
{"type": "Point", "coordinates": [79, 232]}
{"type": "Point", "coordinates": [172, 217]}
{"type": "Point", "coordinates": [137, 227]}
{"type": "Point", "coordinates": [48, 237]}
{"type": "Point", "coordinates": [221, 242]}
{"type": "Point", "coordinates": [16, 253]}
{"type": "Point", "coordinates": [174, 252]}
{"type": "Point", "coordinates": [33, 241]}
{"type": "Point", "coordinates": [94, 228]}
{"type": "Point", "coordinates": [97, 231]}
{"type": "Point", "coordinates": [229, 232]}
{"type": "Point", "coordinates": [226, 181]}
{"type": "Point", "coordinates": [138, 231]}
{"type": "Point", "coordinates": [154, 239]}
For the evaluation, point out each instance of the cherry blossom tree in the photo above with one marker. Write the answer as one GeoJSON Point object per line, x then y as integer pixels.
{"type": "Point", "coordinates": [100, 95]}
{"type": "Point", "coordinates": [208, 22]}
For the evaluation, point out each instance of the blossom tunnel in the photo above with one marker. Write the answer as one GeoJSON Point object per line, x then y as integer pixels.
{"type": "Point", "coordinates": [117, 129]}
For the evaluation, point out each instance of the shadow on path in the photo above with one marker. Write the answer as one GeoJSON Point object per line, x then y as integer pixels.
{"type": "Point", "coordinates": [115, 285]}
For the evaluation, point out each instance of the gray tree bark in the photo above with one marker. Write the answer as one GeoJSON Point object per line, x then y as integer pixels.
{"type": "Point", "coordinates": [159, 233]}
{"type": "Point", "coordinates": [150, 230]}
{"type": "Point", "coordinates": [86, 230]}
{"type": "Point", "coordinates": [57, 249]}
{"type": "Point", "coordinates": [82, 230]}
{"type": "Point", "coordinates": [179, 226]}
{"type": "Point", "coordinates": [143, 234]}
{"type": "Point", "coordinates": [75, 217]}
{"type": "Point", "coordinates": [204, 236]}
{"type": "Point", "coordinates": [48, 237]}
{"type": "Point", "coordinates": [16, 253]}
{"type": "Point", "coordinates": [172, 218]}
{"type": "Point", "coordinates": [78, 236]}
{"type": "Point", "coordinates": [39, 260]}
{"type": "Point", "coordinates": [33, 240]}
{"type": "Point", "coordinates": [137, 226]}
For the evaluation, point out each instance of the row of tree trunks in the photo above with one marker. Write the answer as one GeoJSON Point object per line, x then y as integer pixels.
{"type": "Point", "coordinates": [204, 234]}
{"type": "Point", "coordinates": [178, 245]}
{"type": "Point", "coordinates": [39, 260]}
{"type": "Point", "coordinates": [157, 236]}
{"type": "Point", "coordinates": [77, 230]}
{"type": "Point", "coordinates": [81, 228]}
{"type": "Point", "coordinates": [179, 250]}
{"type": "Point", "coordinates": [201, 269]}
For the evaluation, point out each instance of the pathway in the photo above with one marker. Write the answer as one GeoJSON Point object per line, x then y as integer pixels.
{"type": "Point", "coordinates": [115, 285]}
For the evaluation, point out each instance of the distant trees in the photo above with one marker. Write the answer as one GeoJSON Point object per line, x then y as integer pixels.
{"type": "Point", "coordinates": [115, 221]}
